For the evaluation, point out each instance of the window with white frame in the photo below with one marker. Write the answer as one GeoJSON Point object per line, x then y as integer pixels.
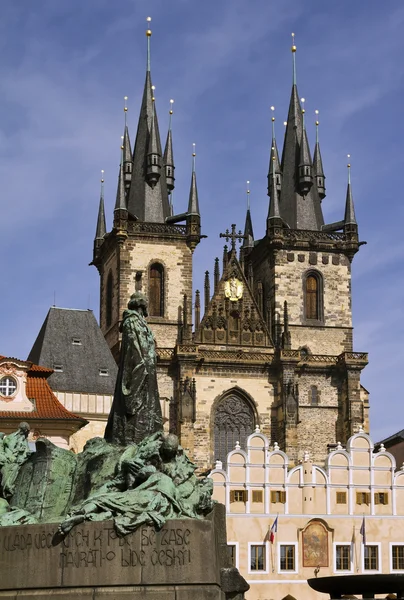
{"type": "Point", "coordinates": [287, 557]}
{"type": "Point", "coordinates": [343, 557]}
{"type": "Point", "coordinates": [397, 557]}
{"type": "Point", "coordinates": [258, 558]}
{"type": "Point", "coordinates": [8, 386]}
{"type": "Point", "coordinates": [371, 557]}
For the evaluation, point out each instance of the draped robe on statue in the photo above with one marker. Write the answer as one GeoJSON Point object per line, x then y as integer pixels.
{"type": "Point", "coordinates": [136, 410]}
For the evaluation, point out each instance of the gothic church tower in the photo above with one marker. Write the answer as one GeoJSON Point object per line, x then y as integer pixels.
{"type": "Point", "coordinates": [270, 345]}
{"type": "Point", "coordinates": [148, 248]}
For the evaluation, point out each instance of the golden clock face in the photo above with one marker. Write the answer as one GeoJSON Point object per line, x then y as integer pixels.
{"type": "Point", "coordinates": [233, 289]}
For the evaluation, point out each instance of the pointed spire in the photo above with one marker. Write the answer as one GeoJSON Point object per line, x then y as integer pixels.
{"type": "Point", "coordinates": [349, 218]}
{"type": "Point", "coordinates": [153, 168]}
{"type": "Point", "coordinates": [274, 164]}
{"type": "Point", "coordinates": [120, 203]}
{"type": "Point", "coordinates": [101, 224]}
{"type": "Point", "coordinates": [305, 164]}
{"type": "Point", "coordinates": [318, 164]}
{"type": "Point", "coordinates": [274, 212]}
{"type": "Point", "coordinates": [193, 204]}
{"type": "Point", "coordinates": [148, 195]}
{"type": "Point", "coordinates": [197, 309]}
{"type": "Point", "coordinates": [298, 209]}
{"type": "Point", "coordinates": [225, 257]}
{"type": "Point", "coordinates": [127, 152]}
{"type": "Point", "coordinates": [248, 241]}
{"type": "Point", "coordinates": [168, 159]}
{"type": "Point", "coordinates": [216, 275]}
{"type": "Point", "coordinates": [207, 290]}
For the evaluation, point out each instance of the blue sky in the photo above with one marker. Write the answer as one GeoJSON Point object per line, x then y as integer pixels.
{"type": "Point", "coordinates": [65, 67]}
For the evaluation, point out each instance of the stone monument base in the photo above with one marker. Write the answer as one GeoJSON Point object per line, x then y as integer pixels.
{"type": "Point", "coordinates": [186, 559]}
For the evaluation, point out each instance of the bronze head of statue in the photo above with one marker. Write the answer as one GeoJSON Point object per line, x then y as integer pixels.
{"type": "Point", "coordinates": [138, 301]}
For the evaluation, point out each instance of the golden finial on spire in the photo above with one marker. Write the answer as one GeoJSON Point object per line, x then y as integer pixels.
{"type": "Point", "coordinates": [294, 58]}
{"type": "Point", "coordinates": [349, 167]}
{"type": "Point", "coordinates": [303, 100]}
{"type": "Point", "coordinates": [121, 142]}
{"type": "Point", "coordinates": [102, 175]}
{"type": "Point", "coordinates": [193, 156]}
{"type": "Point", "coordinates": [153, 87]}
{"type": "Point", "coordinates": [170, 112]}
{"type": "Point", "coordinates": [248, 195]}
{"type": "Point", "coordinates": [148, 30]}
{"type": "Point", "coordinates": [125, 108]}
{"type": "Point", "coordinates": [316, 112]}
{"type": "Point", "coordinates": [273, 108]}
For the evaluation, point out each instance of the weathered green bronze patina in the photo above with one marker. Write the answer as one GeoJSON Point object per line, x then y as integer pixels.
{"type": "Point", "coordinates": [136, 475]}
{"type": "Point", "coordinates": [136, 410]}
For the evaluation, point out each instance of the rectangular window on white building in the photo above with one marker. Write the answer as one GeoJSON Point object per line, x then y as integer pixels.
{"type": "Point", "coordinates": [287, 557]}
{"type": "Point", "coordinates": [397, 557]}
{"type": "Point", "coordinates": [343, 557]}
{"type": "Point", "coordinates": [258, 559]}
{"type": "Point", "coordinates": [371, 557]}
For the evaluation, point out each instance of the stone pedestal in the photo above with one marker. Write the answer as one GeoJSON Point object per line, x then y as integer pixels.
{"type": "Point", "coordinates": [186, 559]}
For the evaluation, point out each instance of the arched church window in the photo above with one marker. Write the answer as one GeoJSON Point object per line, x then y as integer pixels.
{"type": "Point", "coordinates": [156, 290]}
{"type": "Point", "coordinates": [108, 303]}
{"type": "Point", "coordinates": [313, 296]}
{"type": "Point", "coordinates": [233, 422]}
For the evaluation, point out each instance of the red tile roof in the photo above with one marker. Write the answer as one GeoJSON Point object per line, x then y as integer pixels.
{"type": "Point", "coordinates": [46, 404]}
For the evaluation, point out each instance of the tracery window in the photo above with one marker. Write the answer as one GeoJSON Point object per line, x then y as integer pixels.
{"type": "Point", "coordinates": [313, 296]}
{"type": "Point", "coordinates": [108, 304]}
{"type": "Point", "coordinates": [156, 290]}
{"type": "Point", "coordinates": [233, 422]}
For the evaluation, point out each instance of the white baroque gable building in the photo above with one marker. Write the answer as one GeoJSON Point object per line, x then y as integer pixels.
{"type": "Point", "coordinates": [344, 518]}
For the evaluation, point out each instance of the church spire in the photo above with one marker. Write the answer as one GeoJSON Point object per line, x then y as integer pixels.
{"type": "Point", "coordinates": [318, 164]}
{"type": "Point", "coordinates": [101, 224]}
{"type": "Point", "coordinates": [193, 203]}
{"type": "Point", "coordinates": [148, 194]}
{"type": "Point", "coordinates": [274, 216]}
{"type": "Point", "coordinates": [120, 203]}
{"type": "Point", "coordinates": [349, 218]}
{"type": "Point", "coordinates": [127, 152]}
{"type": "Point", "coordinates": [168, 159]}
{"type": "Point", "coordinates": [305, 164]}
{"type": "Point", "coordinates": [248, 241]}
{"type": "Point", "coordinates": [274, 164]}
{"type": "Point", "coordinates": [300, 206]}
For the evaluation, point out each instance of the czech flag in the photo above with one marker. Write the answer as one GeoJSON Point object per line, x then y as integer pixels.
{"type": "Point", "coordinates": [274, 529]}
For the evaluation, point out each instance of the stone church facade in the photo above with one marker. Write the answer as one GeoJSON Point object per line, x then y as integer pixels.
{"type": "Point", "coordinates": [270, 342]}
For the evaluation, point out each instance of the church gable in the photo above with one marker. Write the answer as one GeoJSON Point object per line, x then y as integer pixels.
{"type": "Point", "coordinates": [232, 316]}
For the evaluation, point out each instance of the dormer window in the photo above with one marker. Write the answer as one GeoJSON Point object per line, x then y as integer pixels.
{"type": "Point", "coordinates": [104, 372]}
{"type": "Point", "coordinates": [76, 342]}
{"type": "Point", "coordinates": [8, 386]}
{"type": "Point", "coordinates": [58, 368]}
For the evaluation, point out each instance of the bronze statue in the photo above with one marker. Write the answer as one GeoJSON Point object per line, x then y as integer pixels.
{"type": "Point", "coordinates": [136, 410]}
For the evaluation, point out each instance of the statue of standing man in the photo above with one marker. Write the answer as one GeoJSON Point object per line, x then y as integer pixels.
{"type": "Point", "coordinates": [136, 410]}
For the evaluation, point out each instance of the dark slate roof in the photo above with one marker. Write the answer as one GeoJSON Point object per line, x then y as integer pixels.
{"type": "Point", "coordinates": [299, 212]}
{"type": "Point", "coordinates": [81, 361]}
{"type": "Point", "coordinates": [396, 438]}
{"type": "Point", "coordinates": [145, 202]}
